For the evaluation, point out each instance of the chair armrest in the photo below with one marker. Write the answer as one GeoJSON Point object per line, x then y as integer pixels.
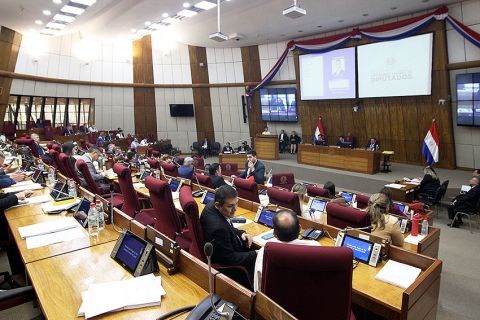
{"type": "Point", "coordinates": [15, 297]}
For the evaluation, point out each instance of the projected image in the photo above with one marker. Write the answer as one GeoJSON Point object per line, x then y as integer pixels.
{"type": "Point", "coordinates": [466, 87]}
{"type": "Point", "coordinates": [465, 113]}
{"type": "Point", "coordinates": [328, 75]}
{"type": "Point", "coordinates": [395, 68]}
{"type": "Point", "coordinates": [278, 104]}
{"type": "Point", "coordinates": [468, 99]}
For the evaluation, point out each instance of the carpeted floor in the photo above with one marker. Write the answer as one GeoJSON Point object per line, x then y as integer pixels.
{"type": "Point", "coordinates": [460, 285]}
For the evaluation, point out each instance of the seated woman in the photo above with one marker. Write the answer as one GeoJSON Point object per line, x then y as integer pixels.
{"type": "Point", "coordinates": [384, 225]}
{"type": "Point", "coordinates": [330, 187]}
{"type": "Point", "coordinates": [430, 183]}
{"type": "Point", "coordinates": [301, 191]}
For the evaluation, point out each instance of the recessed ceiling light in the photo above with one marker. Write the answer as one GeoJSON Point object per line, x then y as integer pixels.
{"type": "Point", "coordinates": [300, 31]}
{"type": "Point", "coordinates": [39, 22]}
{"type": "Point", "coordinates": [186, 5]}
{"type": "Point", "coordinates": [133, 30]}
{"type": "Point", "coordinates": [147, 23]}
{"type": "Point", "coordinates": [365, 14]}
{"type": "Point", "coordinates": [84, 2]}
{"type": "Point", "coordinates": [165, 15]}
{"type": "Point", "coordinates": [205, 5]}
{"type": "Point", "coordinates": [340, 20]}
{"type": "Point", "coordinates": [57, 1]}
{"type": "Point", "coordinates": [393, 8]}
{"type": "Point", "coordinates": [425, 1]}
{"type": "Point", "coordinates": [54, 25]}
{"type": "Point", "coordinates": [47, 12]}
{"type": "Point", "coordinates": [64, 18]}
{"type": "Point", "coordinates": [170, 20]}
{"type": "Point", "coordinates": [187, 13]}
{"type": "Point", "coordinates": [72, 10]}
{"type": "Point", "coordinates": [155, 26]}
{"type": "Point", "coordinates": [319, 26]}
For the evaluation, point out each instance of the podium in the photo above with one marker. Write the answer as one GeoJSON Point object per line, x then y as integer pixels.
{"type": "Point", "coordinates": [266, 146]}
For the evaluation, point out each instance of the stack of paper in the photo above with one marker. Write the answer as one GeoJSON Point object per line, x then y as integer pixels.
{"type": "Point", "coordinates": [138, 185]}
{"type": "Point", "coordinates": [56, 237]}
{"type": "Point", "coordinates": [24, 183]}
{"type": "Point", "coordinates": [31, 186]}
{"type": "Point", "coordinates": [414, 239]}
{"type": "Point", "coordinates": [56, 225]}
{"type": "Point", "coordinates": [52, 207]}
{"type": "Point", "coordinates": [144, 291]}
{"type": "Point", "coordinates": [34, 200]}
{"type": "Point", "coordinates": [399, 274]}
{"type": "Point", "coordinates": [395, 185]}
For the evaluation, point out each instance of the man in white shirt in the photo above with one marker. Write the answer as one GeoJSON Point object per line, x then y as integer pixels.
{"type": "Point", "coordinates": [92, 129]}
{"type": "Point", "coordinates": [286, 229]}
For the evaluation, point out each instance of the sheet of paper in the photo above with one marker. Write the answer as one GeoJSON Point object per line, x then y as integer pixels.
{"type": "Point", "coordinates": [264, 200]}
{"type": "Point", "coordinates": [34, 200]}
{"type": "Point", "coordinates": [24, 183]}
{"type": "Point", "coordinates": [14, 189]}
{"type": "Point", "coordinates": [138, 185]}
{"type": "Point", "coordinates": [60, 224]}
{"type": "Point", "coordinates": [395, 185]}
{"type": "Point", "coordinates": [414, 240]}
{"type": "Point", "coordinates": [53, 207]}
{"type": "Point", "coordinates": [56, 237]}
{"type": "Point", "coordinates": [175, 195]}
{"type": "Point", "coordinates": [399, 274]}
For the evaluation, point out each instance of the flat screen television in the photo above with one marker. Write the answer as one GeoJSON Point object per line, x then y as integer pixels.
{"type": "Point", "coordinates": [468, 99]}
{"type": "Point", "coordinates": [181, 110]}
{"type": "Point", "coordinates": [279, 104]}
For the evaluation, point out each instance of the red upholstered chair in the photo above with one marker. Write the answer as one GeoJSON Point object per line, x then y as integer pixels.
{"type": "Point", "coordinates": [83, 144]}
{"type": "Point", "coordinates": [285, 199]}
{"type": "Point", "coordinates": [49, 145]}
{"type": "Point", "coordinates": [57, 163]}
{"type": "Point", "coordinates": [329, 266]}
{"type": "Point", "coordinates": [56, 147]}
{"type": "Point", "coordinates": [199, 163]}
{"type": "Point", "coordinates": [205, 181]}
{"type": "Point", "coordinates": [28, 142]}
{"type": "Point", "coordinates": [9, 130]}
{"type": "Point", "coordinates": [52, 153]}
{"type": "Point", "coordinates": [30, 124]}
{"type": "Point", "coordinates": [48, 132]}
{"type": "Point", "coordinates": [117, 200]}
{"type": "Point", "coordinates": [229, 169]}
{"type": "Point", "coordinates": [153, 163]}
{"type": "Point", "coordinates": [342, 217]}
{"type": "Point", "coordinates": [47, 123]}
{"type": "Point", "coordinates": [246, 189]}
{"type": "Point", "coordinates": [149, 152]}
{"type": "Point", "coordinates": [88, 145]}
{"type": "Point", "coordinates": [180, 160]}
{"type": "Point", "coordinates": [156, 153]}
{"type": "Point", "coordinates": [170, 169]}
{"type": "Point", "coordinates": [131, 204]}
{"type": "Point", "coordinates": [284, 180]}
{"type": "Point", "coordinates": [194, 229]}
{"type": "Point", "coordinates": [314, 191]}
{"type": "Point", "coordinates": [68, 164]}
{"type": "Point", "coordinates": [362, 201]}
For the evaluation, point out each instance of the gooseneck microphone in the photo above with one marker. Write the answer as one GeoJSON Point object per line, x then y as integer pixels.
{"type": "Point", "coordinates": [208, 250]}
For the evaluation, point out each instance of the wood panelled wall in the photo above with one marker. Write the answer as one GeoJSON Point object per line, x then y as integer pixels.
{"type": "Point", "coordinates": [144, 98]}
{"type": "Point", "coordinates": [201, 96]}
{"type": "Point", "coordinates": [251, 72]}
{"type": "Point", "coordinates": [399, 123]}
{"type": "Point", "coordinates": [9, 47]}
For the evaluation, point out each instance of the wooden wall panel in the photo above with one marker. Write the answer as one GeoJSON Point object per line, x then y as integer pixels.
{"type": "Point", "coordinates": [9, 47]}
{"type": "Point", "coordinates": [400, 123]}
{"type": "Point", "coordinates": [201, 96]}
{"type": "Point", "coordinates": [145, 111]}
{"type": "Point", "coordinates": [251, 72]}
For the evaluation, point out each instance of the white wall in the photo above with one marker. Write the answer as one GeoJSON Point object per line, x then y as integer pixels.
{"type": "Point", "coordinates": [467, 139]}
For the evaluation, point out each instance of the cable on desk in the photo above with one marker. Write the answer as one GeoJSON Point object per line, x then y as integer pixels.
{"type": "Point", "coordinates": [176, 312]}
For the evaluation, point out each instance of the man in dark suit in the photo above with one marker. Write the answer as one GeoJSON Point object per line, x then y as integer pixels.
{"type": "Point", "coordinates": [466, 202]}
{"type": "Point", "coordinates": [215, 173]}
{"type": "Point", "coordinates": [372, 145]}
{"type": "Point", "coordinates": [282, 141]}
{"type": "Point", "coordinates": [254, 168]}
{"type": "Point", "coordinates": [231, 247]}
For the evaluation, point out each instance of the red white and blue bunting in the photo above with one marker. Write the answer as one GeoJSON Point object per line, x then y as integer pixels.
{"type": "Point", "coordinates": [391, 31]}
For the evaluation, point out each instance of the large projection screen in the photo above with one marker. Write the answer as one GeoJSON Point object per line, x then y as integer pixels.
{"type": "Point", "coordinates": [328, 75]}
{"type": "Point", "coordinates": [396, 68]}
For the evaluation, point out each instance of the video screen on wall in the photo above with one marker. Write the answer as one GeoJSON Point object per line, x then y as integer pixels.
{"type": "Point", "coordinates": [279, 104]}
{"type": "Point", "coordinates": [328, 75]}
{"type": "Point", "coordinates": [395, 68]}
{"type": "Point", "coordinates": [468, 99]}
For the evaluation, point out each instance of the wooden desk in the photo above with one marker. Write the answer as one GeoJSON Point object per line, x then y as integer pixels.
{"type": "Point", "coordinates": [405, 194]}
{"type": "Point", "coordinates": [266, 146]}
{"type": "Point", "coordinates": [59, 282]}
{"type": "Point", "coordinates": [238, 158]}
{"type": "Point", "coordinates": [357, 160]}
{"type": "Point", "coordinates": [28, 210]}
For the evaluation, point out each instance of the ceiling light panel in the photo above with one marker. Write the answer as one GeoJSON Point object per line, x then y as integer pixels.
{"type": "Point", "coordinates": [187, 13]}
{"type": "Point", "coordinates": [64, 18]}
{"type": "Point", "coordinates": [155, 26]}
{"type": "Point", "coordinates": [47, 12]}
{"type": "Point", "coordinates": [170, 20]}
{"type": "Point", "coordinates": [72, 10]}
{"type": "Point", "coordinates": [205, 5]}
{"type": "Point", "coordinates": [54, 25]}
{"type": "Point", "coordinates": [49, 32]}
{"type": "Point", "coordinates": [84, 2]}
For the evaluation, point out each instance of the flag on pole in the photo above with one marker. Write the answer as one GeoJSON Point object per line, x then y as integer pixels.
{"type": "Point", "coordinates": [430, 145]}
{"type": "Point", "coordinates": [319, 131]}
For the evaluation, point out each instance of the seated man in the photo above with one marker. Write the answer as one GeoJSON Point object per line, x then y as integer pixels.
{"type": "Point", "coordinates": [231, 247]}
{"type": "Point", "coordinates": [41, 153]}
{"type": "Point", "coordinates": [372, 145]}
{"type": "Point", "coordinates": [254, 169]}
{"type": "Point", "coordinates": [321, 140]}
{"type": "Point", "coordinates": [119, 134]}
{"type": "Point", "coordinates": [187, 169]}
{"type": "Point", "coordinates": [244, 147]}
{"type": "Point", "coordinates": [134, 144]}
{"type": "Point", "coordinates": [227, 148]}
{"type": "Point", "coordinates": [341, 143]}
{"type": "Point", "coordinates": [349, 138]}
{"type": "Point", "coordinates": [7, 176]}
{"type": "Point", "coordinates": [110, 149]}
{"type": "Point", "coordinates": [286, 229]}
{"type": "Point", "coordinates": [215, 173]}
{"type": "Point", "coordinates": [205, 148]}
{"type": "Point", "coordinates": [282, 141]}
{"type": "Point", "coordinates": [466, 202]}
{"type": "Point", "coordinates": [92, 154]}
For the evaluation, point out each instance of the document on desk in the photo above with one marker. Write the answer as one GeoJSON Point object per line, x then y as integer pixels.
{"type": "Point", "coordinates": [38, 229]}
{"type": "Point", "coordinates": [127, 294]}
{"type": "Point", "coordinates": [395, 185]}
{"type": "Point", "coordinates": [15, 189]}
{"type": "Point", "coordinates": [55, 237]}
{"type": "Point", "coordinates": [52, 207]}
{"type": "Point", "coordinates": [24, 183]}
{"type": "Point", "coordinates": [34, 200]}
{"type": "Point", "coordinates": [138, 185]}
{"type": "Point", "coordinates": [414, 239]}
{"type": "Point", "coordinates": [399, 274]}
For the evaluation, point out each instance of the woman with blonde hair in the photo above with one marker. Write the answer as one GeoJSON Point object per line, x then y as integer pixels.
{"type": "Point", "coordinates": [430, 183]}
{"type": "Point", "coordinates": [384, 225]}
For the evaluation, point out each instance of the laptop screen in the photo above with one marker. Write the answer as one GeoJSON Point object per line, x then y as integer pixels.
{"type": "Point", "coordinates": [347, 196]}
{"type": "Point", "coordinates": [209, 197]}
{"type": "Point", "coordinates": [318, 205]}
{"type": "Point", "coordinates": [362, 249]}
{"type": "Point", "coordinates": [266, 218]}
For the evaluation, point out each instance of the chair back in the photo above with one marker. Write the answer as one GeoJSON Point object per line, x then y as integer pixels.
{"type": "Point", "coordinates": [48, 132]}
{"type": "Point", "coordinates": [59, 164]}
{"type": "Point", "coordinates": [9, 129]}
{"type": "Point", "coordinates": [194, 232]}
{"type": "Point", "coordinates": [30, 143]}
{"type": "Point", "coordinates": [342, 217]}
{"type": "Point", "coordinates": [56, 147]}
{"type": "Point", "coordinates": [246, 189]}
{"type": "Point", "coordinates": [170, 169]}
{"type": "Point", "coordinates": [149, 152]}
{"type": "Point", "coordinates": [69, 168]}
{"type": "Point", "coordinates": [51, 154]}
{"type": "Point", "coordinates": [284, 180]}
{"type": "Point", "coordinates": [311, 265]}
{"type": "Point", "coordinates": [229, 169]}
{"type": "Point", "coordinates": [167, 220]}
{"type": "Point", "coordinates": [83, 144]}
{"type": "Point", "coordinates": [91, 184]}
{"type": "Point", "coordinates": [153, 163]}
{"type": "Point", "coordinates": [49, 145]}
{"type": "Point", "coordinates": [199, 163]}
{"type": "Point", "coordinates": [156, 153]}
{"type": "Point", "coordinates": [314, 191]}
{"type": "Point", "coordinates": [362, 201]}
{"type": "Point", "coordinates": [285, 199]}
{"type": "Point", "coordinates": [180, 160]}
{"type": "Point", "coordinates": [131, 205]}
{"type": "Point", "coordinates": [205, 180]}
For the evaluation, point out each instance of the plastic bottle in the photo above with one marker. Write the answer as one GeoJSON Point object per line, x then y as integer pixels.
{"type": "Point", "coordinates": [101, 215]}
{"type": "Point", "coordinates": [51, 176]}
{"type": "Point", "coordinates": [142, 168]}
{"type": "Point", "coordinates": [424, 231]}
{"type": "Point", "coordinates": [41, 166]}
{"type": "Point", "coordinates": [72, 188]}
{"type": "Point", "coordinates": [157, 174]}
{"type": "Point", "coordinates": [92, 219]}
{"type": "Point", "coordinates": [415, 222]}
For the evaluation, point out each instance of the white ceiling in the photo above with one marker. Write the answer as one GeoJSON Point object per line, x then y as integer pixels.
{"type": "Point", "coordinates": [261, 21]}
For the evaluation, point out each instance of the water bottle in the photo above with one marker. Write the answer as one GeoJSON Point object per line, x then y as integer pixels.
{"type": "Point", "coordinates": [424, 231]}
{"type": "Point", "coordinates": [72, 188]}
{"type": "Point", "coordinates": [41, 166]}
{"type": "Point", "coordinates": [101, 215]}
{"type": "Point", "coordinates": [157, 174]}
{"type": "Point", "coordinates": [415, 222]}
{"type": "Point", "coordinates": [142, 168]}
{"type": "Point", "coordinates": [92, 220]}
{"type": "Point", "coordinates": [51, 176]}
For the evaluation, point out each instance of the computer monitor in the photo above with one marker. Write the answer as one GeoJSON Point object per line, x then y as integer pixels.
{"type": "Point", "coordinates": [362, 249]}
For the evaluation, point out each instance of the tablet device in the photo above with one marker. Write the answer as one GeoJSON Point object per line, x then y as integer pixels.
{"type": "Point", "coordinates": [266, 218]}
{"type": "Point", "coordinates": [37, 175]}
{"type": "Point", "coordinates": [129, 251]}
{"type": "Point", "coordinates": [347, 196]}
{"type": "Point", "coordinates": [145, 174]}
{"type": "Point", "coordinates": [174, 185]}
{"type": "Point", "coordinates": [318, 205]}
{"type": "Point", "coordinates": [59, 191]}
{"type": "Point", "coordinates": [362, 249]}
{"type": "Point", "coordinates": [208, 197]}
{"type": "Point", "coordinates": [83, 206]}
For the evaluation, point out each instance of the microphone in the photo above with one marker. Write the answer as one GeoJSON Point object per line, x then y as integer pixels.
{"type": "Point", "coordinates": [369, 228]}
{"type": "Point", "coordinates": [208, 250]}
